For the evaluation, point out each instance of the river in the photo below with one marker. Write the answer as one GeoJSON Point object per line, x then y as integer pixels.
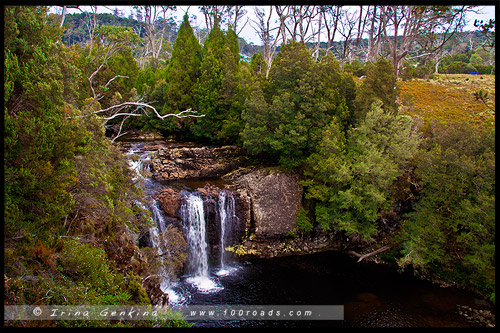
{"type": "Point", "coordinates": [372, 295]}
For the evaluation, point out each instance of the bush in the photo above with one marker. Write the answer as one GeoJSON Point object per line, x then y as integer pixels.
{"type": "Point", "coordinates": [451, 231]}
{"type": "Point", "coordinates": [356, 68]}
{"type": "Point", "coordinates": [458, 67]}
{"type": "Point", "coordinates": [352, 178]}
{"type": "Point", "coordinates": [419, 72]}
{"type": "Point", "coordinates": [380, 83]}
{"type": "Point", "coordinates": [303, 221]}
{"type": "Point", "coordinates": [87, 265]}
{"type": "Point", "coordinates": [485, 69]}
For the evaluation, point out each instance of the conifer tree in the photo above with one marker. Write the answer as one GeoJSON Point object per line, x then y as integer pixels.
{"type": "Point", "coordinates": [352, 181]}
{"type": "Point", "coordinates": [182, 73]}
{"type": "Point", "coordinates": [218, 89]}
{"type": "Point", "coordinates": [380, 83]}
{"type": "Point", "coordinates": [285, 120]}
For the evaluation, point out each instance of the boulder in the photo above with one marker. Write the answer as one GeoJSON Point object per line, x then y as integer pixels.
{"type": "Point", "coordinates": [195, 162]}
{"type": "Point", "coordinates": [275, 196]}
{"type": "Point", "coordinates": [168, 199]}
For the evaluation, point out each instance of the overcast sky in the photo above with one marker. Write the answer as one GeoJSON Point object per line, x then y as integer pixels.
{"type": "Point", "coordinates": [248, 33]}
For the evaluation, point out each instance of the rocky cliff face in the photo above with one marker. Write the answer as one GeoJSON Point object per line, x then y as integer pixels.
{"type": "Point", "coordinates": [195, 162]}
{"type": "Point", "coordinates": [274, 198]}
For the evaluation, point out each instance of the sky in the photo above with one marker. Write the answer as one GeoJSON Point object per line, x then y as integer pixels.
{"type": "Point", "coordinates": [248, 33]}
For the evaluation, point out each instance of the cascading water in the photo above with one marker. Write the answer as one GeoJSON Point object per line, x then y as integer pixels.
{"type": "Point", "coordinates": [139, 163]}
{"type": "Point", "coordinates": [193, 215]}
{"type": "Point", "coordinates": [158, 216]}
{"type": "Point", "coordinates": [227, 215]}
{"type": "Point", "coordinates": [223, 219]}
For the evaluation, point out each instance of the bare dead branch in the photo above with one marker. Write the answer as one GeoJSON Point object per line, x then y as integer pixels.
{"type": "Point", "coordinates": [117, 76]}
{"type": "Point", "coordinates": [380, 250]}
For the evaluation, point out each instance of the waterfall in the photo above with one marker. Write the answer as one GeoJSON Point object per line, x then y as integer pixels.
{"type": "Point", "coordinates": [158, 243]}
{"type": "Point", "coordinates": [227, 217]}
{"type": "Point", "coordinates": [139, 162]}
{"type": "Point", "coordinates": [193, 215]}
{"type": "Point", "coordinates": [158, 216]}
{"type": "Point", "coordinates": [223, 218]}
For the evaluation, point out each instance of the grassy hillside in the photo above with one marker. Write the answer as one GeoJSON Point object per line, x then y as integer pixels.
{"type": "Point", "coordinates": [449, 98]}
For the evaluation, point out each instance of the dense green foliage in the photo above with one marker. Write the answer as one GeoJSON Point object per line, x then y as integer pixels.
{"type": "Point", "coordinates": [451, 232]}
{"type": "Point", "coordinates": [220, 92]}
{"type": "Point", "coordinates": [352, 178]}
{"type": "Point", "coordinates": [182, 73]}
{"type": "Point", "coordinates": [379, 83]}
{"type": "Point", "coordinates": [286, 118]}
{"type": "Point", "coordinates": [71, 207]}
{"type": "Point", "coordinates": [70, 203]}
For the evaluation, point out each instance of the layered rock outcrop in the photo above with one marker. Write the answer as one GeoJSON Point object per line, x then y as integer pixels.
{"type": "Point", "coordinates": [195, 162]}
{"type": "Point", "coordinates": [267, 199]}
{"type": "Point", "coordinates": [273, 197]}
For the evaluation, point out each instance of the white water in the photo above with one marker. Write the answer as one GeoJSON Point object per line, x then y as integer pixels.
{"type": "Point", "coordinates": [223, 219]}
{"type": "Point", "coordinates": [199, 275]}
{"type": "Point", "coordinates": [158, 215]}
{"type": "Point", "coordinates": [139, 164]}
{"type": "Point", "coordinates": [227, 216]}
{"type": "Point", "coordinates": [158, 242]}
{"type": "Point", "coordinates": [193, 215]}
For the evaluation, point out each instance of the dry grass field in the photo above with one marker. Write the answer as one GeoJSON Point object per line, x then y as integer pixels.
{"type": "Point", "coordinates": [449, 98]}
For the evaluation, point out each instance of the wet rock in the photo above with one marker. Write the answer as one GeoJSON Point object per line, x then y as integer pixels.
{"type": "Point", "coordinates": [156, 295]}
{"type": "Point", "coordinates": [152, 147]}
{"type": "Point", "coordinates": [279, 247]}
{"type": "Point", "coordinates": [171, 200]}
{"type": "Point", "coordinates": [477, 317]}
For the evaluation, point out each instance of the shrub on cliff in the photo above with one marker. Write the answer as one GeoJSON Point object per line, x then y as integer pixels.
{"type": "Point", "coordinates": [351, 177]}
{"type": "Point", "coordinates": [451, 232]}
{"type": "Point", "coordinates": [71, 206]}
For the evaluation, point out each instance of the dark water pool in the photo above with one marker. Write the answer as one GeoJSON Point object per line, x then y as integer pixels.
{"type": "Point", "coordinates": [373, 295]}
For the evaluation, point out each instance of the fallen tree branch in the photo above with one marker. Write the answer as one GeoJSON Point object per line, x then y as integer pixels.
{"type": "Point", "coordinates": [382, 249]}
